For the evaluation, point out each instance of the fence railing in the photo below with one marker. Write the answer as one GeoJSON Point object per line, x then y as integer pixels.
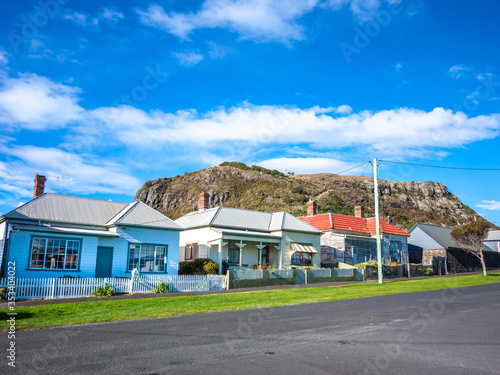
{"type": "Point", "coordinates": [34, 288]}
{"type": "Point", "coordinates": [247, 274]}
{"type": "Point", "coordinates": [280, 273]}
{"type": "Point", "coordinates": [326, 272]}
{"type": "Point", "coordinates": [343, 272]}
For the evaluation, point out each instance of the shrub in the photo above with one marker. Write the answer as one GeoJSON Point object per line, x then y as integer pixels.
{"type": "Point", "coordinates": [162, 287]}
{"type": "Point", "coordinates": [429, 271]}
{"type": "Point", "coordinates": [298, 190]}
{"type": "Point", "coordinates": [104, 291]}
{"type": "Point", "coordinates": [211, 268]}
{"type": "Point", "coordinates": [195, 267]}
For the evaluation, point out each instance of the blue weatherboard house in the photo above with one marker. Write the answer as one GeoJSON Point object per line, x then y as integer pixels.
{"type": "Point", "coordinates": [55, 235]}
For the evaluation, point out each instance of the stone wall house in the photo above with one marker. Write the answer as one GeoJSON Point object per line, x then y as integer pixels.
{"type": "Point", "coordinates": [352, 239]}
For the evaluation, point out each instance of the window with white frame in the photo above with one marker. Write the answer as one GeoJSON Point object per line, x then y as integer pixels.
{"type": "Point", "coordinates": [54, 253]}
{"type": "Point", "coordinates": [147, 258]}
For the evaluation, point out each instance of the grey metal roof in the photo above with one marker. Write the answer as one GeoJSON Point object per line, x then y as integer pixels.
{"type": "Point", "coordinates": [494, 235]}
{"type": "Point", "coordinates": [65, 230]}
{"type": "Point", "coordinates": [441, 235]}
{"type": "Point", "coordinates": [140, 214]}
{"type": "Point", "coordinates": [65, 208]}
{"type": "Point", "coordinates": [245, 219]}
{"type": "Point", "coordinates": [290, 222]}
{"type": "Point", "coordinates": [78, 210]}
{"type": "Point", "coordinates": [197, 219]}
{"type": "Point", "coordinates": [236, 218]}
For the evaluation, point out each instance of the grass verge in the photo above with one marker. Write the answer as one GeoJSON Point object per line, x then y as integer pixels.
{"type": "Point", "coordinates": [164, 307]}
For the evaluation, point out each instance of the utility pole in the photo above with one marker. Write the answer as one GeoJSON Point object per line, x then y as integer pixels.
{"type": "Point", "coordinates": [377, 223]}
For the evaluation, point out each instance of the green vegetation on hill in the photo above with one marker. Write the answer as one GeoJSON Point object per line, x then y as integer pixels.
{"type": "Point", "coordinates": [235, 184]}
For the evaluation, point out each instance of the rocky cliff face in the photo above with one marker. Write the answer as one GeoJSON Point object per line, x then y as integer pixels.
{"type": "Point", "coordinates": [236, 185]}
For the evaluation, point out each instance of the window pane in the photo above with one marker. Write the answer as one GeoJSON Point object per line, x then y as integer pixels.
{"type": "Point", "coordinates": [296, 258]}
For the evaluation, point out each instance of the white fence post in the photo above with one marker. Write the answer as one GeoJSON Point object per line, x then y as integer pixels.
{"type": "Point", "coordinates": [53, 287]}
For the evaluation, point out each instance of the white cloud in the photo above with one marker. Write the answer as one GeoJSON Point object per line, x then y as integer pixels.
{"type": "Point", "coordinates": [111, 15]}
{"type": "Point", "coordinates": [489, 205]}
{"type": "Point", "coordinates": [188, 58]}
{"type": "Point", "coordinates": [82, 174]}
{"type": "Point", "coordinates": [4, 57]}
{"type": "Point", "coordinates": [261, 20]}
{"type": "Point", "coordinates": [400, 131]}
{"type": "Point", "coordinates": [457, 71]}
{"type": "Point", "coordinates": [307, 165]}
{"type": "Point", "coordinates": [80, 18]}
{"type": "Point", "coordinates": [36, 103]}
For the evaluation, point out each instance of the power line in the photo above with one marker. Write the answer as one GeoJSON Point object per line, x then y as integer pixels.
{"type": "Point", "coordinates": [347, 170]}
{"type": "Point", "coordinates": [440, 166]}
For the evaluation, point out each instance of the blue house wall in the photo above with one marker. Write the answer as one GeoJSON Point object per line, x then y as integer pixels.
{"type": "Point", "coordinates": [20, 244]}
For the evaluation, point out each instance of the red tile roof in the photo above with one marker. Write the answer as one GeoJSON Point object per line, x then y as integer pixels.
{"type": "Point", "coordinates": [351, 224]}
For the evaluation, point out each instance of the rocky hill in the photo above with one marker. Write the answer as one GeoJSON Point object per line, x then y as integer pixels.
{"type": "Point", "coordinates": [257, 188]}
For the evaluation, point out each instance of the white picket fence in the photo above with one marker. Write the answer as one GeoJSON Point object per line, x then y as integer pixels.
{"type": "Point", "coordinates": [34, 288]}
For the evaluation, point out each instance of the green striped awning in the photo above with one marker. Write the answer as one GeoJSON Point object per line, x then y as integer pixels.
{"type": "Point", "coordinates": [299, 248]}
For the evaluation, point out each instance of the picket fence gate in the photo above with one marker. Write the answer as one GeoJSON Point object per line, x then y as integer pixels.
{"type": "Point", "coordinates": [45, 288]}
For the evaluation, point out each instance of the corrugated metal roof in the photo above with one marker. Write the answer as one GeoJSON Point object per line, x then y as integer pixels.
{"type": "Point", "coordinates": [494, 235]}
{"type": "Point", "coordinates": [442, 235]}
{"type": "Point", "coordinates": [236, 218]}
{"type": "Point", "coordinates": [290, 222]}
{"type": "Point", "coordinates": [65, 208]}
{"type": "Point", "coordinates": [197, 219]}
{"type": "Point", "coordinates": [276, 221]}
{"type": "Point", "coordinates": [138, 213]}
{"type": "Point", "coordinates": [439, 234]}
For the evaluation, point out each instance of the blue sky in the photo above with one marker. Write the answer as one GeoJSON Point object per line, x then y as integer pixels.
{"type": "Point", "coordinates": [108, 94]}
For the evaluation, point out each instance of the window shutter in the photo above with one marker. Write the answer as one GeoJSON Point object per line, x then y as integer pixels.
{"type": "Point", "coordinates": [195, 250]}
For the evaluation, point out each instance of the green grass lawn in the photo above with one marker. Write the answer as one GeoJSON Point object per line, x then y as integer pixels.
{"type": "Point", "coordinates": [164, 307]}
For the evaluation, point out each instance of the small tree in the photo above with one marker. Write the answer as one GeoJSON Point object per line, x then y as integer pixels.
{"type": "Point", "coordinates": [470, 237]}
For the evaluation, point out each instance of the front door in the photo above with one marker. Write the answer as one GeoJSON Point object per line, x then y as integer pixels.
{"type": "Point", "coordinates": [104, 262]}
{"type": "Point", "coordinates": [265, 255]}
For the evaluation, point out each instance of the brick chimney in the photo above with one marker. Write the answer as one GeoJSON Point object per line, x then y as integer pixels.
{"type": "Point", "coordinates": [359, 211]}
{"type": "Point", "coordinates": [311, 208]}
{"type": "Point", "coordinates": [39, 185]}
{"type": "Point", "coordinates": [203, 201]}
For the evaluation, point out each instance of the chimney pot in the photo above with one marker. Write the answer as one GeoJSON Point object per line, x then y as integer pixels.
{"type": "Point", "coordinates": [359, 211]}
{"type": "Point", "coordinates": [203, 201]}
{"type": "Point", "coordinates": [311, 208]}
{"type": "Point", "coordinates": [39, 185]}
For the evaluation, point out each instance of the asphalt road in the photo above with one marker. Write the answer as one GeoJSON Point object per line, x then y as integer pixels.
{"type": "Point", "coordinates": [456, 331]}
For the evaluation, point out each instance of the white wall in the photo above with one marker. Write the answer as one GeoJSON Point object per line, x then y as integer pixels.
{"type": "Point", "coordinates": [305, 238]}
{"type": "Point", "coordinates": [199, 235]}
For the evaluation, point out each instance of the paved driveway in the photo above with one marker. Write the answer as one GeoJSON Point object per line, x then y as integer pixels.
{"type": "Point", "coordinates": [453, 331]}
